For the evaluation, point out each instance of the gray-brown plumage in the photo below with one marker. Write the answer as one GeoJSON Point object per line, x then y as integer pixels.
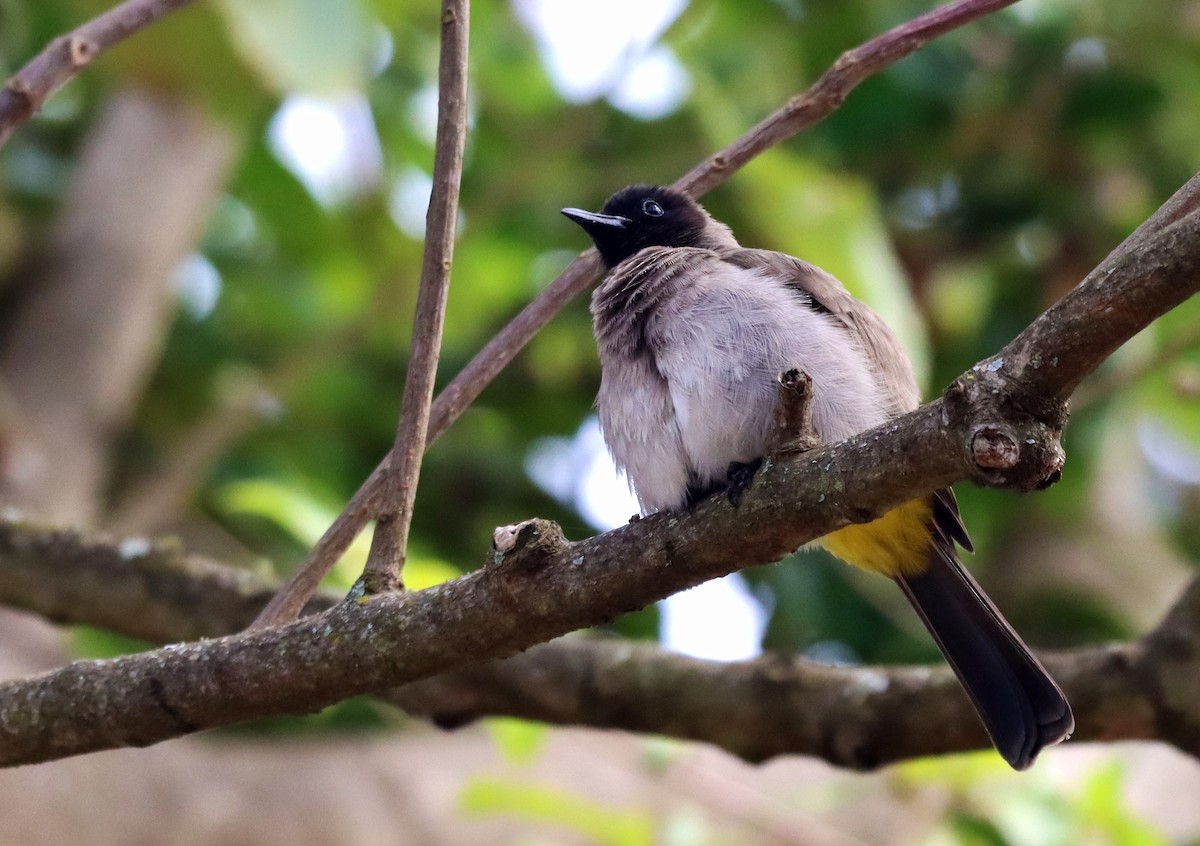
{"type": "Point", "coordinates": [693, 332]}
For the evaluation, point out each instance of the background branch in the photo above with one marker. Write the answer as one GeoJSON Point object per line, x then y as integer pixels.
{"type": "Point", "coordinates": [23, 95]}
{"type": "Point", "coordinates": [801, 112]}
{"type": "Point", "coordinates": [79, 348]}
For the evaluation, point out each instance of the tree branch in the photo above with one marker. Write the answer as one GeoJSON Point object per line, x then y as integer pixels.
{"type": "Point", "coordinates": [775, 705]}
{"type": "Point", "coordinates": [149, 172]}
{"type": "Point", "coordinates": [536, 586]}
{"type": "Point", "coordinates": [801, 112]}
{"type": "Point", "coordinates": [830, 91]}
{"type": "Point", "coordinates": [23, 95]}
{"type": "Point", "coordinates": [756, 709]}
{"type": "Point", "coordinates": [390, 544]}
{"type": "Point", "coordinates": [855, 717]}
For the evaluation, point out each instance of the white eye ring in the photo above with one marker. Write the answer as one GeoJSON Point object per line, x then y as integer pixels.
{"type": "Point", "coordinates": [651, 209]}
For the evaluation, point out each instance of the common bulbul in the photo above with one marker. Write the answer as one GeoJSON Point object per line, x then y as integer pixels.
{"type": "Point", "coordinates": [693, 332]}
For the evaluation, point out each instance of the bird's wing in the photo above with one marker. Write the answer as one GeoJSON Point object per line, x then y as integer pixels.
{"type": "Point", "coordinates": [893, 368]}
{"type": "Point", "coordinates": [892, 365]}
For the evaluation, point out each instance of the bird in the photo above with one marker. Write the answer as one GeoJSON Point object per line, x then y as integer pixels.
{"type": "Point", "coordinates": [693, 332]}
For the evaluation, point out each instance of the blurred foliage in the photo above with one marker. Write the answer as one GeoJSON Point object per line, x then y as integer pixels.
{"type": "Point", "coordinates": [548, 805]}
{"type": "Point", "coordinates": [959, 193]}
{"type": "Point", "coordinates": [989, 805]}
{"type": "Point", "coordinates": [983, 803]}
{"type": "Point", "coordinates": [519, 741]}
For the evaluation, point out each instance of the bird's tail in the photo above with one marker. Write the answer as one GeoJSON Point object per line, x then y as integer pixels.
{"type": "Point", "coordinates": [1021, 706]}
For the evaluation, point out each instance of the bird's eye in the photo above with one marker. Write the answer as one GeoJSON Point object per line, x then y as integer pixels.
{"type": "Point", "coordinates": [651, 208]}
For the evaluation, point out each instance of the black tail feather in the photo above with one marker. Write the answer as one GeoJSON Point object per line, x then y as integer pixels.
{"type": "Point", "coordinates": [1021, 706]}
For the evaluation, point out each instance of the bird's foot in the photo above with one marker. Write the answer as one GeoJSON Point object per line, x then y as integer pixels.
{"type": "Point", "coordinates": [738, 478]}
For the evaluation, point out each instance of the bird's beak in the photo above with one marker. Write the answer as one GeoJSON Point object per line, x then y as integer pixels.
{"type": "Point", "coordinates": [594, 223]}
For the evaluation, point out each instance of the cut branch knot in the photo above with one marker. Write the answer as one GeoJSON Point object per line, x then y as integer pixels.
{"type": "Point", "coordinates": [82, 51]}
{"type": "Point", "coordinates": [794, 430]}
{"type": "Point", "coordinates": [995, 448]}
{"type": "Point", "coordinates": [529, 544]}
{"type": "Point", "coordinates": [1006, 444]}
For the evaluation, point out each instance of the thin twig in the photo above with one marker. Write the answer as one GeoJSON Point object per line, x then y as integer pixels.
{"type": "Point", "coordinates": [830, 91]}
{"type": "Point", "coordinates": [801, 112]}
{"type": "Point", "coordinates": [23, 95]}
{"type": "Point", "coordinates": [388, 547]}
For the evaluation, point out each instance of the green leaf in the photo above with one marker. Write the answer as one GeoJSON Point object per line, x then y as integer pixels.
{"type": "Point", "coordinates": [519, 740]}
{"type": "Point", "coordinates": [1171, 393]}
{"type": "Point", "coordinates": [545, 804]}
{"type": "Point", "coordinates": [303, 518]}
{"type": "Point", "coordinates": [358, 715]}
{"type": "Point", "coordinates": [957, 772]}
{"type": "Point", "coordinates": [310, 46]}
{"type": "Point", "coordinates": [1102, 807]}
{"type": "Point", "coordinates": [92, 642]}
{"type": "Point", "coordinates": [291, 509]}
{"type": "Point", "coordinates": [970, 830]}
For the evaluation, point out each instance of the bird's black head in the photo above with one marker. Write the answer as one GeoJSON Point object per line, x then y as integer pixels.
{"type": "Point", "coordinates": [642, 216]}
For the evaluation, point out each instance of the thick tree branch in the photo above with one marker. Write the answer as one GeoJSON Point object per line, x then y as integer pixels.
{"type": "Point", "coordinates": [23, 95]}
{"type": "Point", "coordinates": [856, 717]}
{"type": "Point", "coordinates": [143, 589]}
{"type": "Point", "coordinates": [536, 586]}
{"type": "Point", "coordinates": [801, 112]}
